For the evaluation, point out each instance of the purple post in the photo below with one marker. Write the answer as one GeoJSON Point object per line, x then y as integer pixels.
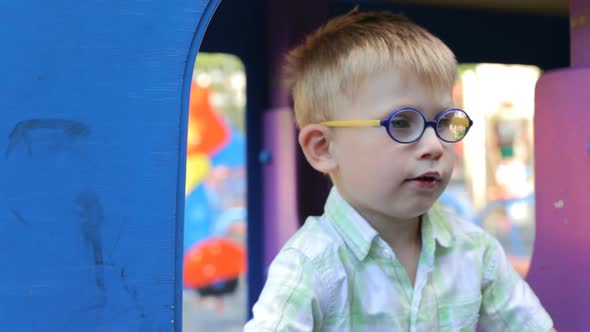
{"type": "Point", "coordinates": [560, 263]}
{"type": "Point", "coordinates": [289, 21]}
{"type": "Point", "coordinates": [580, 32]}
{"type": "Point", "coordinates": [280, 203]}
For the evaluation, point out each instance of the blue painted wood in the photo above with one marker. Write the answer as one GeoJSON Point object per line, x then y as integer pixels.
{"type": "Point", "coordinates": [93, 102]}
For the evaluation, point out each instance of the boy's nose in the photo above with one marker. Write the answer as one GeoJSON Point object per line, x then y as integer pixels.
{"type": "Point", "coordinates": [430, 146]}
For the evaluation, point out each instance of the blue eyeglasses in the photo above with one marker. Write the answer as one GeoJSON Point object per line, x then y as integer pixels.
{"type": "Point", "coordinates": [407, 125]}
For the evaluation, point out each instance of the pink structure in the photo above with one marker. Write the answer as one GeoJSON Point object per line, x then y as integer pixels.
{"type": "Point", "coordinates": [279, 159]}
{"type": "Point", "coordinates": [580, 33]}
{"type": "Point", "coordinates": [560, 264]}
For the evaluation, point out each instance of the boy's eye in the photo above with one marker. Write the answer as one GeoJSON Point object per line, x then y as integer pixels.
{"type": "Point", "coordinates": [399, 123]}
{"type": "Point", "coordinates": [444, 122]}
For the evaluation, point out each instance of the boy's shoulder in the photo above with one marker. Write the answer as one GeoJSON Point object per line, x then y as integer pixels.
{"type": "Point", "coordinates": [462, 230]}
{"type": "Point", "coordinates": [316, 239]}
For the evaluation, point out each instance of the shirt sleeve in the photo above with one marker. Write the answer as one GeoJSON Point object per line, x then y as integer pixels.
{"type": "Point", "coordinates": [508, 303]}
{"type": "Point", "coordinates": [289, 300]}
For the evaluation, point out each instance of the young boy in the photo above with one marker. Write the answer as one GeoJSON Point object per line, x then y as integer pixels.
{"type": "Point", "coordinates": [372, 99]}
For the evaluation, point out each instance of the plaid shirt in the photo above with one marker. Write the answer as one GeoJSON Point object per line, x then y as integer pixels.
{"type": "Point", "coordinates": [337, 274]}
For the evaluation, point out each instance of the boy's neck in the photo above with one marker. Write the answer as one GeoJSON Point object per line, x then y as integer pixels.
{"type": "Point", "coordinates": [404, 237]}
{"type": "Point", "coordinates": [399, 234]}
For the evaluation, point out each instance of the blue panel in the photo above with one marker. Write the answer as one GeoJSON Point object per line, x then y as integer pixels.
{"type": "Point", "coordinates": [93, 108]}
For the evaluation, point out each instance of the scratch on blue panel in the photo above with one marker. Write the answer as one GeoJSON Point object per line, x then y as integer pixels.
{"type": "Point", "coordinates": [67, 132]}
{"type": "Point", "coordinates": [18, 216]}
{"type": "Point", "coordinates": [92, 217]}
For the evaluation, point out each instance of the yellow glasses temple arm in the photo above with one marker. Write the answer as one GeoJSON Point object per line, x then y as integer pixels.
{"type": "Point", "coordinates": [352, 123]}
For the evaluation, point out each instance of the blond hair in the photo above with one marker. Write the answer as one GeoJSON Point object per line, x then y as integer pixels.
{"type": "Point", "coordinates": [337, 57]}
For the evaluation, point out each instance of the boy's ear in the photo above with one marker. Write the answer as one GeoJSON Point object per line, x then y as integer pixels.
{"type": "Point", "coordinates": [314, 140]}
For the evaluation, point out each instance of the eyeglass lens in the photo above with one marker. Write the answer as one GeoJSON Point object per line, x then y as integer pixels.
{"type": "Point", "coordinates": [407, 125]}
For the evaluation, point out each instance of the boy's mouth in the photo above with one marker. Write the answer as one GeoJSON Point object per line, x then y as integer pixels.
{"type": "Point", "coordinates": [428, 177]}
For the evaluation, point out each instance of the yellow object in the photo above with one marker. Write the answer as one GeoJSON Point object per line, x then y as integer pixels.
{"type": "Point", "coordinates": [197, 167]}
{"type": "Point", "coordinates": [352, 123]}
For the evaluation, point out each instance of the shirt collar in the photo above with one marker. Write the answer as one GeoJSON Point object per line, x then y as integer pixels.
{"type": "Point", "coordinates": [352, 227]}
{"type": "Point", "coordinates": [440, 225]}
{"type": "Point", "coordinates": [359, 235]}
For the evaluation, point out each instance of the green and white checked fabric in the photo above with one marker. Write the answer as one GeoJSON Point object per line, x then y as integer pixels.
{"type": "Point", "coordinates": [336, 274]}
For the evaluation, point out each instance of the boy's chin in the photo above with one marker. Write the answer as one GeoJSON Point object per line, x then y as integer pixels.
{"type": "Point", "coordinates": [418, 209]}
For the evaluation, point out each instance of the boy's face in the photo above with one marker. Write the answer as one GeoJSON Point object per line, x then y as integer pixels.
{"type": "Point", "coordinates": [382, 178]}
